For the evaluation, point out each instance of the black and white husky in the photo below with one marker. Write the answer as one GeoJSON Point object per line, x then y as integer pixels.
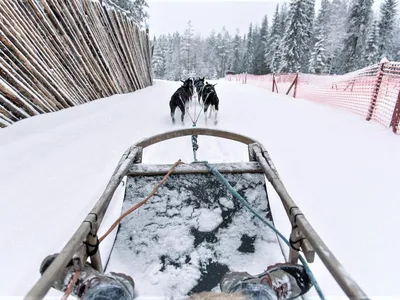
{"type": "Point", "coordinates": [199, 84]}
{"type": "Point", "coordinates": [210, 98]}
{"type": "Point", "coordinates": [191, 81]}
{"type": "Point", "coordinates": [181, 98]}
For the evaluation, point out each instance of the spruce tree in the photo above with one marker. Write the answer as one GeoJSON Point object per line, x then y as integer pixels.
{"type": "Point", "coordinates": [263, 46]}
{"type": "Point", "coordinates": [135, 8]}
{"type": "Point", "coordinates": [237, 53]}
{"type": "Point", "coordinates": [212, 58]}
{"type": "Point", "coordinates": [187, 55]}
{"type": "Point", "coordinates": [249, 55]}
{"type": "Point", "coordinates": [353, 54]}
{"type": "Point", "coordinates": [272, 54]}
{"type": "Point", "coordinates": [223, 50]}
{"type": "Point", "coordinates": [296, 41]}
{"type": "Point", "coordinates": [318, 58]}
{"type": "Point", "coordinates": [337, 26]}
{"type": "Point", "coordinates": [372, 48]}
{"type": "Point", "coordinates": [386, 28]}
{"type": "Point", "coordinates": [258, 52]}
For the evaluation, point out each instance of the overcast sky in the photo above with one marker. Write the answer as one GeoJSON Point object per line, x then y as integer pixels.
{"type": "Point", "coordinates": [170, 16]}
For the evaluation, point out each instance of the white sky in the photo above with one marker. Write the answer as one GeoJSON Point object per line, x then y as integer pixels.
{"type": "Point", "coordinates": [169, 16]}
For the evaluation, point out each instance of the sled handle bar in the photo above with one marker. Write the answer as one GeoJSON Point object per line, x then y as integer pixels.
{"type": "Point", "coordinates": [133, 154]}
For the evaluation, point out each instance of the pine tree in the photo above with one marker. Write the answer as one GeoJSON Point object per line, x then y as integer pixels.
{"type": "Point", "coordinates": [358, 20]}
{"type": "Point", "coordinates": [372, 49]}
{"type": "Point", "coordinates": [244, 53]}
{"type": "Point", "coordinates": [249, 55]}
{"type": "Point", "coordinates": [279, 53]}
{"type": "Point", "coordinates": [168, 57]}
{"type": "Point", "coordinates": [258, 56]}
{"type": "Point", "coordinates": [323, 19]}
{"type": "Point", "coordinates": [156, 59]}
{"type": "Point", "coordinates": [212, 58]}
{"type": "Point", "coordinates": [237, 53]}
{"type": "Point", "coordinates": [386, 28]}
{"type": "Point", "coordinates": [396, 41]}
{"type": "Point", "coordinates": [321, 29]}
{"type": "Point", "coordinates": [159, 59]}
{"type": "Point", "coordinates": [336, 34]}
{"type": "Point", "coordinates": [136, 8]}
{"type": "Point", "coordinates": [263, 47]}
{"type": "Point", "coordinates": [272, 53]}
{"type": "Point", "coordinates": [318, 58]}
{"type": "Point", "coordinates": [199, 54]}
{"type": "Point", "coordinates": [310, 4]}
{"type": "Point", "coordinates": [223, 50]}
{"type": "Point", "coordinates": [284, 17]}
{"type": "Point", "coordinates": [175, 66]}
{"type": "Point", "coordinates": [296, 42]}
{"type": "Point", "coordinates": [187, 55]}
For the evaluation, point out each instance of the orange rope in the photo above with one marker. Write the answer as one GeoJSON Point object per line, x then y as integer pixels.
{"type": "Point", "coordinates": [136, 206]}
{"type": "Point", "coordinates": [71, 285]}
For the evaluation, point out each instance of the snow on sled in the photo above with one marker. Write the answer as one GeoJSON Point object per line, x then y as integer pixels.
{"type": "Point", "coordinates": [193, 229]}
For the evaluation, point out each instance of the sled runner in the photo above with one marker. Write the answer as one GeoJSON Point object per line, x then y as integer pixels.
{"type": "Point", "coordinates": [201, 222]}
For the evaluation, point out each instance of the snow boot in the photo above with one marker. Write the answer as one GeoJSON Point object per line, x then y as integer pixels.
{"type": "Point", "coordinates": [91, 284]}
{"type": "Point", "coordinates": [279, 282]}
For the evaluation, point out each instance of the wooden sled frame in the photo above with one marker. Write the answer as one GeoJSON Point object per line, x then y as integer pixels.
{"type": "Point", "coordinates": [302, 231]}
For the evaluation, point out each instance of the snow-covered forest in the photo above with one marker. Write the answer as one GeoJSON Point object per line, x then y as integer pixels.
{"type": "Point", "coordinates": [135, 8]}
{"type": "Point", "coordinates": [342, 36]}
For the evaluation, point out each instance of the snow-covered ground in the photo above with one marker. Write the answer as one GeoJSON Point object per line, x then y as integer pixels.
{"type": "Point", "coordinates": [341, 171]}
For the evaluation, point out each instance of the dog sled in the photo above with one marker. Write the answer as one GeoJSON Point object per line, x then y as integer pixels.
{"type": "Point", "coordinates": [192, 229]}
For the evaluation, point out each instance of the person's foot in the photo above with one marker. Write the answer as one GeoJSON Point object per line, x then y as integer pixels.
{"type": "Point", "coordinates": [92, 284]}
{"type": "Point", "coordinates": [280, 281]}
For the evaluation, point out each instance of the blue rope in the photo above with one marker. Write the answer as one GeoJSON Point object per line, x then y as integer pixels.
{"type": "Point", "coordinates": [223, 180]}
{"type": "Point", "coordinates": [195, 145]}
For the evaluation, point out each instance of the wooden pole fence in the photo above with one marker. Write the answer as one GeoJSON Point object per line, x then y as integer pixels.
{"type": "Point", "coordinates": [56, 54]}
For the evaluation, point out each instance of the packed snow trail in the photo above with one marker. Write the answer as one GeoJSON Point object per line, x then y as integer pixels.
{"type": "Point", "coordinates": [340, 170]}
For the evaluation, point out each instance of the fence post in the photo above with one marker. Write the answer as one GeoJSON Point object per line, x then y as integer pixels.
{"type": "Point", "coordinates": [396, 115]}
{"type": "Point", "coordinates": [375, 92]}
{"type": "Point", "coordinates": [273, 82]}
{"type": "Point", "coordinates": [294, 83]}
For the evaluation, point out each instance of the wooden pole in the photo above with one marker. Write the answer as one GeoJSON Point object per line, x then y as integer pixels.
{"type": "Point", "coordinates": [273, 82]}
{"type": "Point", "coordinates": [396, 115]}
{"type": "Point", "coordinates": [375, 92]}
{"type": "Point", "coordinates": [293, 84]}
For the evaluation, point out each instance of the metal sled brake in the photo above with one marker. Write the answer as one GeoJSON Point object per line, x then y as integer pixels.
{"type": "Point", "coordinates": [192, 227]}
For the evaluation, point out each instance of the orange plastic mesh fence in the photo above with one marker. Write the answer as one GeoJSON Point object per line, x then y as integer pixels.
{"type": "Point", "coordinates": [372, 92]}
